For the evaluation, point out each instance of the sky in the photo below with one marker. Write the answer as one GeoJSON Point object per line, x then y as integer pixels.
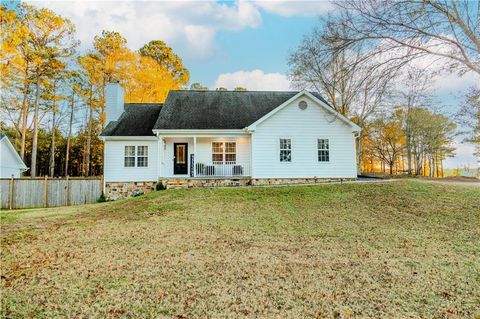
{"type": "Point", "coordinates": [230, 44]}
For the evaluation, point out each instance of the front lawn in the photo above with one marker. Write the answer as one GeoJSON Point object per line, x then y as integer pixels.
{"type": "Point", "coordinates": [385, 250]}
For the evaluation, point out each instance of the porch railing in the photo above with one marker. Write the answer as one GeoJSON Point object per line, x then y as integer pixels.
{"type": "Point", "coordinates": [222, 169]}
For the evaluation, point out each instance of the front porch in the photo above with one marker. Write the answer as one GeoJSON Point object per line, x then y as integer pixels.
{"type": "Point", "coordinates": [205, 157]}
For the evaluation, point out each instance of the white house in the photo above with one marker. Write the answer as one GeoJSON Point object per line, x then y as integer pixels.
{"type": "Point", "coordinates": [209, 138]}
{"type": "Point", "coordinates": [10, 162]}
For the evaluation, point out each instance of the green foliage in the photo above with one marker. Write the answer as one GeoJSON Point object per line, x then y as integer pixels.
{"type": "Point", "coordinates": [198, 87]}
{"type": "Point", "coordinates": [102, 198]}
{"type": "Point", "coordinates": [160, 186]}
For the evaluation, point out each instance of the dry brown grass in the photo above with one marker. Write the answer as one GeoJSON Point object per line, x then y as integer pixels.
{"type": "Point", "coordinates": [396, 250]}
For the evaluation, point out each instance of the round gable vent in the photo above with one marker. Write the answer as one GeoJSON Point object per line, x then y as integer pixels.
{"type": "Point", "coordinates": [302, 105]}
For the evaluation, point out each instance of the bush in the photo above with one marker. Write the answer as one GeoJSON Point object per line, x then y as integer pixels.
{"type": "Point", "coordinates": [102, 198]}
{"type": "Point", "coordinates": [160, 186]}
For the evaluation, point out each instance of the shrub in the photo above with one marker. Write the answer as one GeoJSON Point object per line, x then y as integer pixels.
{"type": "Point", "coordinates": [160, 186]}
{"type": "Point", "coordinates": [102, 198]}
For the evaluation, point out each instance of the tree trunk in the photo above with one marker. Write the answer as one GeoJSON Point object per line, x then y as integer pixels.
{"type": "Point", "coordinates": [67, 153]}
{"type": "Point", "coordinates": [390, 165]}
{"type": "Point", "coordinates": [89, 134]}
{"type": "Point", "coordinates": [359, 153]}
{"type": "Point", "coordinates": [441, 167]}
{"type": "Point", "coordinates": [33, 165]}
{"type": "Point", "coordinates": [24, 112]}
{"type": "Point", "coordinates": [52, 147]}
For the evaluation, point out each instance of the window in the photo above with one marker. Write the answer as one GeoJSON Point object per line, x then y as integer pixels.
{"type": "Point", "coordinates": [224, 152]}
{"type": "Point", "coordinates": [129, 156]}
{"type": "Point", "coordinates": [180, 154]}
{"type": "Point", "coordinates": [323, 150]}
{"type": "Point", "coordinates": [141, 156]}
{"type": "Point", "coordinates": [231, 152]}
{"type": "Point", "coordinates": [285, 150]}
{"type": "Point", "coordinates": [217, 152]}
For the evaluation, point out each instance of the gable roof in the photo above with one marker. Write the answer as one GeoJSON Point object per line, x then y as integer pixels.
{"type": "Point", "coordinates": [138, 119]}
{"type": "Point", "coordinates": [13, 151]}
{"type": "Point", "coordinates": [184, 110]}
{"type": "Point", "coordinates": [315, 97]}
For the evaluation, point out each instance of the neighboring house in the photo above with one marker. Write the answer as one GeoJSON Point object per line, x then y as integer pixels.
{"type": "Point", "coordinates": [212, 138]}
{"type": "Point", "coordinates": [10, 162]}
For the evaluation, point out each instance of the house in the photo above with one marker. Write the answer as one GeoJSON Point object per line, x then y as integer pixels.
{"type": "Point", "coordinates": [10, 162]}
{"type": "Point", "coordinates": [224, 138]}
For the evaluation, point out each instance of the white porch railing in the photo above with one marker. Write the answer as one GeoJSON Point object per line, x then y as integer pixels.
{"type": "Point", "coordinates": [222, 169]}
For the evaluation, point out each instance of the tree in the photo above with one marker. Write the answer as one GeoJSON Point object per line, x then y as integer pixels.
{"type": "Point", "coordinates": [388, 141]}
{"type": "Point", "coordinates": [16, 64]}
{"type": "Point", "coordinates": [198, 87]}
{"type": "Point", "coordinates": [51, 39]}
{"type": "Point", "coordinates": [355, 84]}
{"type": "Point", "coordinates": [411, 29]}
{"type": "Point", "coordinates": [240, 89]}
{"type": "Point", "coordinates": [165, 57]}
{"type": "Point", "coordinates": [469, 115]}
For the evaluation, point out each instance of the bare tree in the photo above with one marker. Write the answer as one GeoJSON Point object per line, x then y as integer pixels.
{"type": "Point", "coordinates": [445, 29]}
{"type": "Point", "coordinates": [355, 83]}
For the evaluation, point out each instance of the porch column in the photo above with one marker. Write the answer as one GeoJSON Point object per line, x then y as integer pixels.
{"type": "Point", "coordinates": [160, 157]}
{"type": "Point", "coordinates": [194, 155]}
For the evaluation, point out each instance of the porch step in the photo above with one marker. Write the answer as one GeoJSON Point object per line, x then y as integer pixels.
{"type": "Point", "coordinates": [177, 183]}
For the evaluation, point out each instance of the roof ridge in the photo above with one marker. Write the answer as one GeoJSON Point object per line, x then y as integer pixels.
{"type": "Point", "coordinates": [233, 91]}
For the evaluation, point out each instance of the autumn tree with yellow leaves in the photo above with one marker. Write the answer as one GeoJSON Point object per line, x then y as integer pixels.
{"type": "Point", "coordinates": [40, 105]}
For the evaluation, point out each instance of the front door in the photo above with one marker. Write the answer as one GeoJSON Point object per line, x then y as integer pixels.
{"type": "Point", "coordinates": [180, 158]}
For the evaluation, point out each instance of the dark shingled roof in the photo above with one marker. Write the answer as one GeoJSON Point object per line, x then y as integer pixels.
{"type": "Point", "coordinates": [198, 110]}
{"type": "Point", "coordinates": [218, 109]}
{"type": "Point", "coordinates": [138, 119]}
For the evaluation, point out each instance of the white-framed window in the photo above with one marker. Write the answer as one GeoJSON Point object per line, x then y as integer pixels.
{"type": "Point", "coordinates": [224, 152]}
{"type": "Point", "coordinates": [285, 150]}
{"type": "Point", "coordinates": [231, 152]}
{"type": "Point", "coordinates": [323, 149]}
{"type": "Point", "coordinates": [142, 156]}
{"type": "Point", "coordinates": [136, 155]}
{"type": "Point", "coordinates": [129, 156]}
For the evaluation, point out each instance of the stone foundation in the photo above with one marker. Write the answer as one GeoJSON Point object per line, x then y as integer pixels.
{"type": "Point", "coordinates": [290, 181]}
{"type": "Point", "coordinates": [178, 183]}
{"type": "Point", "coordinates": [116, 190]}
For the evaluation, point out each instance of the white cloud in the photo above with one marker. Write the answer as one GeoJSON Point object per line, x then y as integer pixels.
{"type": "Point", "coordinates": [187, 26]}
{"type": "Point", "coordinates": [255, 80]}
{"type": "Point", "coordinates": [296, 8]}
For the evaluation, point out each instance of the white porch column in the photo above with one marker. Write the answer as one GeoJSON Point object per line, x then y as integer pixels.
{"type": "Point", "coordinates": [160, 157]}
{"type": "Point", "coordinates": [194, 155]}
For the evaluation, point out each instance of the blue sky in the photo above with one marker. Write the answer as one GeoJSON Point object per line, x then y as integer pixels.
{"type": "Point", "coordinates": [230, 44]}
{"type": "Point", "coordinates": [265, 47]}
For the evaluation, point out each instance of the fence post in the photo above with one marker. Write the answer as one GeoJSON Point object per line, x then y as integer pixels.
{"type": "Point", "coordinates": [67, 193]}
{"type": "Point", "coordinates": [11, 193]}
{"type": "Point", "coordinates": [101, 185]}
{"type": "Point", "coordinates": [45, 192]}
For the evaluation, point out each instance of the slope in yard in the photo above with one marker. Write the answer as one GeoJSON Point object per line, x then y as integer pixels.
{"type": "Point", "coordinates": [403, 249]}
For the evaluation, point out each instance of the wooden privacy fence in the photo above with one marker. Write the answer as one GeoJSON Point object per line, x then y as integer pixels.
{"type": "Point", "coordinates": [31, 192]}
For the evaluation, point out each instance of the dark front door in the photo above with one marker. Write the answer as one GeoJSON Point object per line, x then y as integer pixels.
{"type": "Point", "coordinates": [180, 158]}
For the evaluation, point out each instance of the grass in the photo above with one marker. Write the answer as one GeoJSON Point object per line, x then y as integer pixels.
{"type": "Point", "coordinates": [399, 249]}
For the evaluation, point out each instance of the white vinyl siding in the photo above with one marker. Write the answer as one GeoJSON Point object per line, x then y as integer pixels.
{"type": "Point", "coordinates": [304, 128]}
{"type": "Point", "coordinates": [114, 161]}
